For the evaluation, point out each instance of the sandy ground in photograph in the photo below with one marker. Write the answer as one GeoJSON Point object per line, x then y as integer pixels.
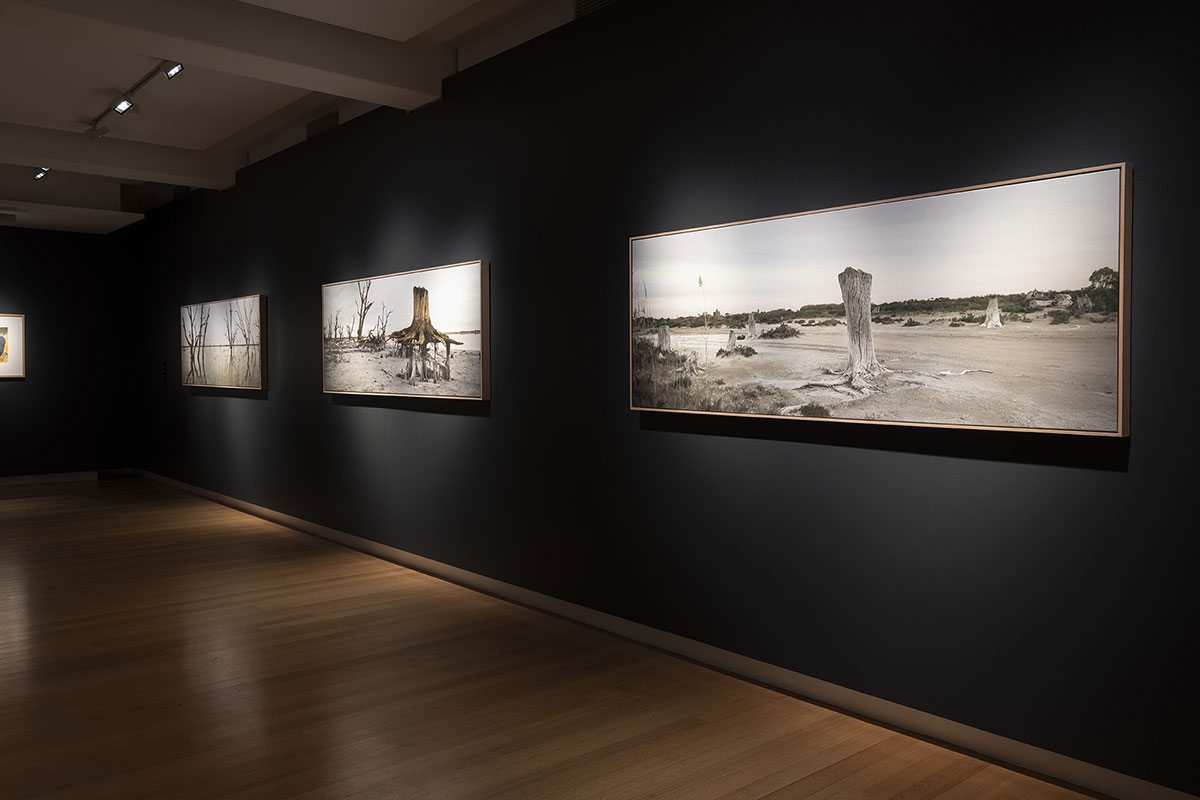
{"type": "Point", "coordinates": [376, 373]}
{"type": "Point", "coordinates": [1026, 374]}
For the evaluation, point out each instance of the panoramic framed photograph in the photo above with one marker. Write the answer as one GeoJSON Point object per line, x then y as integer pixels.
{"type": "Point", "coordinates": [12, 345]}
{"type": "Point", "coordinates": [1002, 306]}
{"type": "Point", "coordinates": [222, 343]}
{"type": "Point", "coordinates": [422, 333]}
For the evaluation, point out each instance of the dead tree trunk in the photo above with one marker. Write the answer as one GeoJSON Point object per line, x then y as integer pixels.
{"type": "Point", "coordinates": [992, 317]}
{"type": "Point", "coordinates": [230, 328]}
{"type": "Point", "coordinates": [382, 322]}
{"type": "Point", "coordinates": [751, 328]}
{"type": "Point", "coordinates": [416, 340]}
{"type": "Point", "coordinates": [364, 305]}
{"type": "Point", "coordinates": [732, 343]}
{"type": "Point", "coordinates": [205, 313]}
{"type": "Point", "coordinates": [664, 338]}
{"type": "Point", "coordinates": [190, 339]}
{"type": "Point", "coordinates": [1084, 304]}
{"type": "Point", "coordinates": [856, 294]}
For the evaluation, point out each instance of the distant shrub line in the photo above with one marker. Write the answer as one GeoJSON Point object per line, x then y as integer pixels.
{"type": "Point", "coordinates": [1103, 296]}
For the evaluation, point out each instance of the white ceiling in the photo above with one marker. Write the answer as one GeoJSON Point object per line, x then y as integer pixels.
{"type": "Point", "coordinates": [255, 73]}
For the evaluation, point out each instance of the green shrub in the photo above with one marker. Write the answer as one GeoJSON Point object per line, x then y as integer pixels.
{"type": "Point", "coordinates": [782, 331]}
{"type": "Point", "coordinates": [814, 410]}
{"type": "Point", "coordinates": [910, 322]}
{"type": "Point", "coordinates": [1058, 316]}
{"type": "Point", "coordinates": [1015, 304]}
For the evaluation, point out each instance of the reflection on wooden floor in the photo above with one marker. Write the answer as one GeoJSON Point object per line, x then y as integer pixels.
{"type": "Point", "coordinates": [156, 645]}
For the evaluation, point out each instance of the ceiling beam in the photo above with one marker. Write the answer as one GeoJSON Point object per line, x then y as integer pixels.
{"type": "Point", "coordinates": [244, 39]}
{"type": "Point", "coordinates": [484, 14]}
{"type": "Point", "coordinates": [117, 158]}
{"type": "Point", "coordinates": [59, 188]}
{"type": "Point", "coordinates": [399, 20]}
{"type": "Point", "coordinates": [21, 214]}
{"type": "Point", "coordinates": [306, 108]}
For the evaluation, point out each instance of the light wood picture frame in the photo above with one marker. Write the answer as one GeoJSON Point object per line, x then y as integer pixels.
{"type": "Point", "coordinates": [222, 343]}
{"type": "Point", "coordinates": [1000, 306]}
{"type": "Point", "coordinates": [420, 333]}
{"type": "Point", "coordinates": [12, 345]}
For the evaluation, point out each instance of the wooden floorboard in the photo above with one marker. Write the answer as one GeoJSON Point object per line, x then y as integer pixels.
{"type": "Point", "coordinates": [157, 645]}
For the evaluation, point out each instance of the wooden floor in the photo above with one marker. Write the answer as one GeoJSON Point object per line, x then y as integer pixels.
{"type": "Point", "coordinates": [156, 645]}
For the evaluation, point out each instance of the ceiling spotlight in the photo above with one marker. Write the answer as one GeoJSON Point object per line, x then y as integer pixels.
{"type": "Point", "coordinates": [40, 173]}
{"type": "Point", "coordinates": [123, 103]}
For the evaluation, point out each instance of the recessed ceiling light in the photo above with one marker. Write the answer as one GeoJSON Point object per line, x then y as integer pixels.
{"type": "Point", "coordinates": [173, 71]}
{"type": "Point", "coordinates": [125, 104]}
{"type": "Point", "coordinates": [40, 173]}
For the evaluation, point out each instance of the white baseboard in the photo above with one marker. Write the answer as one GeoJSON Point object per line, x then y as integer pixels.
{"type": "Point", "coordinates": [50, 477]}
{"type": "Point", "coordinates": [988, 745]}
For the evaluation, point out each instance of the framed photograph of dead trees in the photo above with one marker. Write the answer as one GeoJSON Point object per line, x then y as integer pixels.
{"type": "Point", "coordinates": [1002, 306]}
{"type": "Point", "coordinates": [422, 333]}
{"type": "Point", "coordinates": [222, 343]}
{"type": "Point", "coordinates": [12, 345]}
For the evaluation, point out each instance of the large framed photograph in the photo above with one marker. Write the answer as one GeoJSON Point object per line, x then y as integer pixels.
{"type": "Point", "coordinates": [1001, 306]}
{"type": "Point", "coordinates": [12, 345]}
{"type": "Point", "coordinates": [222, 343]}
{"type": "Point", "coordinates": [422, 333]}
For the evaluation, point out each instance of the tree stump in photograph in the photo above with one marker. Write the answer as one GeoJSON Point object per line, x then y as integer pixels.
{"type": "Point", "coordinates": [732, 343]}
{"type": "Point", "coordinates": [992, 318]}
{"type": "Point", "coordinates": [751, 328]}
{"type": "Point", "coordinates": [664, 338]}
{"type": "Point", "coordinates": [690, 365]}
{"type": "Point", "coordinates": [856, 294]}
{"type": "Point", "coordinates": [1084, 304]}
{"type": "Point", "coordinates": [416, 340]}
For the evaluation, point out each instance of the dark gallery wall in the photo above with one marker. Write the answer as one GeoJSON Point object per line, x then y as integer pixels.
{"type": "Point", "coordinates": [1038, 587]}
{"type": "Point", "coordinates": [77, 333]}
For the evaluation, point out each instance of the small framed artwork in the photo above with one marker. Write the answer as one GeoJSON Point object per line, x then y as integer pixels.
{"type": "Point", "coordinates": [221, 343]}
{"type": "Point", "coordinates": [12, 345]}
{"type": "Point", "coordinates": [422, 333]}
{"type": "Point", "coordinates": [1002, 306]}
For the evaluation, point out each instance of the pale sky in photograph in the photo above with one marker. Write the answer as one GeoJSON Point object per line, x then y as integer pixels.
{"type": "Point", "coordinates": [454, 301]}
{"type": "Point", "coordinates": [1043, 234]}
{"type": "Point", "coordinates": [216, 335]}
